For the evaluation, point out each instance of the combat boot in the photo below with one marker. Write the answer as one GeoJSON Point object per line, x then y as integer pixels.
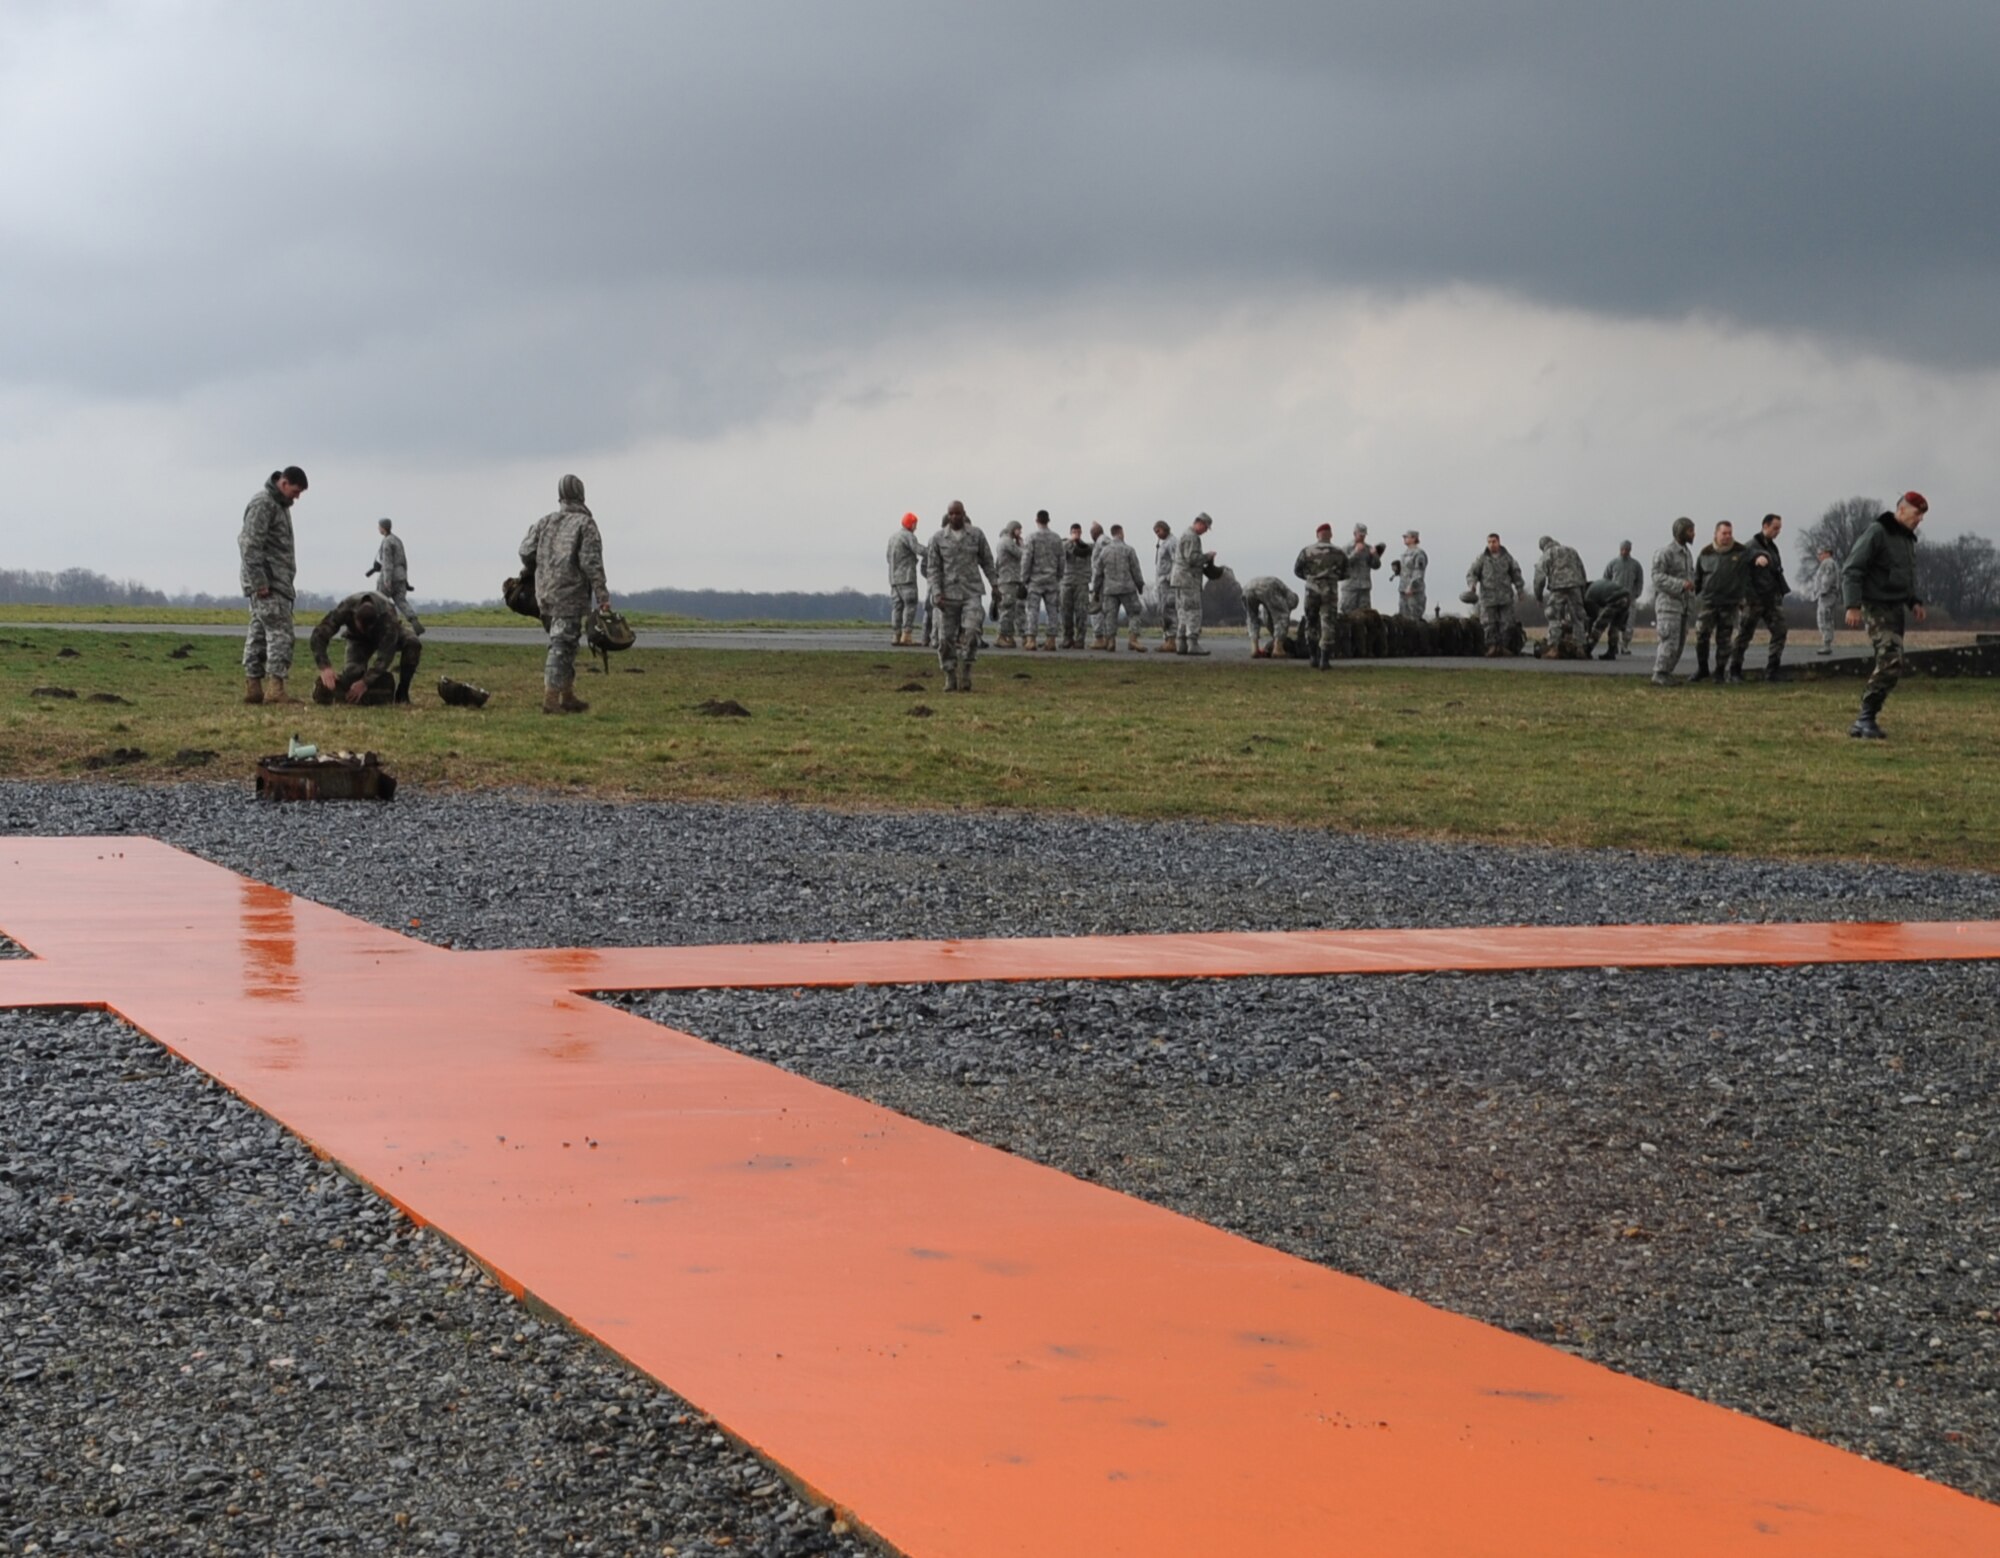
{"type": "Point", "coordinates": [571, 703]}
{"type": "Point", "coordinates": [965, 677]}
{"type": "Point", "coordinates": [253, 689]}
{"type": "Point", "coordinates": [276, 693]}
{"type": "Point", "coordinates": [951, 677]}
{"type": "Point", "coordinates": [1029, 644]}
{"type": "Point", "coordinates": [1610, 652]}
{"type": "Point", "coordinates": [552, 700]}
{"type": "Point", "coordinates": [1003, 642]}
{"type": "Point", "coordinates": [1319, 657]}
{"type": "Point", "coordinates": [1700, 664]}
{"type": "Point", "coordinates": [1864, 728]}
{"type": "Point", "coordinates": [1774, 667]}
{"type": "Point", "coordinates": [1194, 647]}
{"type": "Point", "coordinates": [1734, 675]}
{"type": "Point", "coordinates": [1135, 645]}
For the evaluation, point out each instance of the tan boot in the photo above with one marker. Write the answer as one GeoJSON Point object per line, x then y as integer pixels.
{"type": "Point", "coordinates": [253, 689]}
{"type": "Point", "coordinates": [1135, 646]}
{"type": "Point", "coordinates": [277, 693]}
{"type": "Point", "coordinates": [569, 701]}
{"type": "Point", "coordinates": [552, 700]}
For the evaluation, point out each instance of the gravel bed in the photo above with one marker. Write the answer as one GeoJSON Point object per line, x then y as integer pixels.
{"type": "Point", "coordinates": [210, 1342]}
{"type": "Point", "coordinates": [12, 949]}
{"type": "Point", "coordinates": [1775, 1189]}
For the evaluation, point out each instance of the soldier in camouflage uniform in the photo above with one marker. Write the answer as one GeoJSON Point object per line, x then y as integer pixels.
{"type": "Point", "coordinates": [1879, 583]}
{"type": "Point", "coordinates": [1323, 566]}
{"type": "Point", "coordinates": [270, 570]}
{"type": "Point", "coordinates": [1721, 571]}
{"type": "Point", "coordinates": [1357, 590]}
{"type": "Point", "coordinates": [1117, 583]}
{"type": "Point", "coordinates": [1075, 588]}
{"type": "Point", "coordinates": [1608, 609]}
{"type": "Point", "coordinates": [1495, 580]}
{"type": "Point", "coordinates": [1673, 594]}
{"type": "Point", "coordinates": [1560, 578]}
{"type": "Point", "coordinates": [906, 562]}
{"type": "Point", "coordinates": [1041, 570]}
{"type": "Point", "coordinates": [567, 554]}
{"type": "Point", "coordinates": [954, 564]}
{"type": "Point", "coordinates": [1824, 590]}
{"type": "Point", "coordinates": [1163, 572]}
{"type": "Point", "coordinates": [1628, 574]}
{"type": "Point", "coordinates": [1191, 563]}
{"type": "Point", "coordinates": [1009, 590]}
{"type": "Point", "coordinates": [1764, 603]}
{"type": "Point", "coordinates": [393, 564]}
{"type": "Point", "coordinates": [1267, 613]}
{"type": "Point", "coordinates": [1411, 568]}
{"type": "Point", "coordinates": [376, 633]}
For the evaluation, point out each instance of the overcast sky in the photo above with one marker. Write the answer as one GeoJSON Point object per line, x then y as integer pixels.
{"type": "Point", "coordinates": [766, 276]}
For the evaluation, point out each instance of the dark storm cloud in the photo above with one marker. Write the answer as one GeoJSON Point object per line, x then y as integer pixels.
{"type": "Point", "coordinates": [517, 224]}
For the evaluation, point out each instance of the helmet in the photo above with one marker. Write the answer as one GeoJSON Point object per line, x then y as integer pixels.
{"type": "Point", "coordinates": [461, 695]}
{"type": "Point", "coordinates": [607, 631]}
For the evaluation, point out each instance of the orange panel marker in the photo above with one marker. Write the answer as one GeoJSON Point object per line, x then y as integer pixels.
{"type": "Point", "coordinates": [975, 1355]}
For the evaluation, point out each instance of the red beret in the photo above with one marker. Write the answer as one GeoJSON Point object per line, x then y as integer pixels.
{"type": "Point", "coordinates": [1324, 530]}
{"type": "Point", "coordinates": [1917, 501]}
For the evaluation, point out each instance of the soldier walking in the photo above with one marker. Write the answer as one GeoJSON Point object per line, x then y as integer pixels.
{"type": "Point", "coordinates": [954, 564]}
{"type": "Point", "coordinates": [1673, 593]}
{"type": "Point", "coordinates": [1625, 571]}
{"type": "Point", "coordinates": [1267, 614]}
{"type": "Point", "coordinates": [1410, 570]}
{"type": "Point", "coordinates": [1879, 583]}
{"type": "Point", "coordinates": [1721, 580]}
{"type": "Point", "coordinates": [270, 571]}
{"type": "Point", "coordinates": [1764, 603]}
{"type": "Point", "coordinates": [393, 564]}
{"type": "Point", "coordinates": [376, 633]}
{"type": "Point", "coordinates": [1494, 580]}
{"type": "Point", "coordinates": [1117, 584]}
{"type": "Point", "coordinates": [1191, 565]}
{"type": "Point", "coordinates": [567, 554]}
{"type": "Point", "coordinates": [906, 562]}
{"type": "Point", "coordinates": [1559, 583]}
{"type": "Point", "coordinates": [1824, 589]}
{"type": "Point", "coordinates": [1041, 570]}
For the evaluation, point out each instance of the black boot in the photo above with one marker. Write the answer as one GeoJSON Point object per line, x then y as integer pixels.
{"type": "Point", "coordinates": [1865, 728]}
{"type": "Point", "coordinates": [1774, 667]}
{"type": "Point", "coordinates": [1700, 663]}
{"type": "Point", "coordinates": [1734, 675]}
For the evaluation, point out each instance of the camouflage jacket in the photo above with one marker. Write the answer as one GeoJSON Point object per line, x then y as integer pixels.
{"type": "Point", "coordinates": [1041, 563]}
{"type": "Point", "coordinates": [1273, 594]}
{"type": "Point", "coordinates": [1560, 568]}
{"type": "Point", "coordinates": [1189, 556]}
{"type": "Point", "coordinates": [1114, 569]}
{"type": "Point", "coordinates": [1076, 563]}
{"type": "Point", "coordinates": [1008, 558]}
{"type": "Point", "coordinates": [379, 646]}
{"type": "Point", "coordinates": [1359, 585]}
{"type": "Point", "coordinates": [1627, 574]}
{"type": "Point", "coordinates": [1163, 562]}
{"type": "Point", "coordinates": [954, 562]}
{"type": "Point", "coordinates": [393, 564]}
{"type": "Point", "coordinates": [1416, 563]}
{"type": "Point", "coordinates": [270, 561]}
{"type": "Point", "coordinates": [1825, 580]}
{"type": "Point", "coordinates": [906, 557]}
{"type": "Point", "coordinates": [1321, 565]}
{"type": "Point", "coordinates": [1496, 576]}
{"type": "Point", "coordinates": [1673, 571]}
{"type": "Point", "coordinates": [568, 557]}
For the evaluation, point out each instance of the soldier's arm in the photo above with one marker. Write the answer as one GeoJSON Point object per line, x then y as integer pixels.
{"type": "Point", "coordinates": [531, 543]}
{"type": "Point", "coordinates": [329, 625]}
{"type": "Point", "coordinates": [256, 539]}
{"type": "Point", "coordinates": [590, 558]}
{"type": "Point", "coordinates": [1855, 571]}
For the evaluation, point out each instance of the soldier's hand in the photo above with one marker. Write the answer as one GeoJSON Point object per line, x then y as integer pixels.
{"type": "Point", "coordinates": [359, 690]}
{"type": "Point", "coordinates": [1762, 562]}
{"type": "Point", "coordinates": [327, 677]}
{"type": "Point", "coordinates": [1917, 612]}
{"type": "Point", "coordinates": [1854, 616]}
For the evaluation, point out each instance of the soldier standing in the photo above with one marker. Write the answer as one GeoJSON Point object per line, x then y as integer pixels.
{"type": "Point", "coordinates": [906, 561]}
{"type": "Point", "coordinates": [1267, 614]}
{"type": "Point", "coordinates": [1075, 588]}
{"type": "Point", "coordinates": [1721, 581]}
{"type": "Point", "coordinates": [1191, 565]}
{"type": "Point", "coordinates": [376, 633]}
{"type": "Point", "coordinates": [1041, 570]}
{"type": "Point", "coordinates": [567, 554]}
{"type": "Point", "coordinates": [1410, 570]}
{"type": "Point", "coordinates": [1357, 590]}
{"type": "Point", "coordinates": [1008, 589]}
{"type": "Point", "coordinates": [270, 570]}
{"type": "Point", "coordinates": [1495, 579]}
{"type": "Point", "coordinates": [1117, 583]}
{"type": "Point", "coordinates": [957, 558]}
{"type": "Point", "coordinates": [1559, 583]}
{"type": "Point", "coordinates": [1626, 572]}
{"type": "Point", "coordinates": [1673, 592]}
{"type": "Point", "coordinates": [1163, 572]}
{"type": "Point", "coordinates": [1879, 582]}
{"type": "Point", "coordinates": [1764, 603]}
{"type": "Point", "coordinates": [1323, 566]}
{"type": "Point", "coordinates": [393, 564]}
{"type": "Point", "coordinates": [1825, 591]}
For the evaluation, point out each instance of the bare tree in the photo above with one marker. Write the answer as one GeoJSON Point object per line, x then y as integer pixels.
{"type": "Point", "coordinates": [1838, 529]}
{"type": "Point", "coordinates": [1961, 578]}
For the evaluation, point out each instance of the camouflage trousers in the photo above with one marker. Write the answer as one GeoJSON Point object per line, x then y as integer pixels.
{"type": "Point", "coordinates": [1263, 624]}
{"type": "Point", "coordinates": [1767, 614]}
{"type": "Point", "coordinates": [1187, 614]}
{"type": "Point", "coordinates": [1043, 608]}
{"type": "Point", "coordinates": [1670, 621]}
{"type": "Point", "coordinates": [1608, 624]}
{"type": "Point", "coordinates": [1411, 604]}
{"type": "Point", "coordinates": [1885, 637]}
{"type": "Point", "coordinates": [1717, 623]}
{"type": "Point", "coordinates": [959, 622]}
{"type": "Point", "coordinates": [1075, 609]}
{"type": "Point", "coordinates": [904, 613]}
{"type": "Point", "coordinates": [1107, 622]}
{"type": "Point", "coordinates": [1166, 600]}
{"type": "Point", "coordinates": [401, 596]}
{"type": "Point", "coordinates": [1829, 620]}
{"type": "Point", "coordinates": [559, 669]}
{"type": "Point", "coordinates": [1566, 618]}
{"type": "Point", "coordinates": [1013, 608]}
{"type": "Point", "coordinates": [268, 645]}
{"type": "Point", "coordinates": [1495, 619]}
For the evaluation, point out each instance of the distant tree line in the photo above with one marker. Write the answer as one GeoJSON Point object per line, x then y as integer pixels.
{"type": "Point", "coordinates": [86, 587]}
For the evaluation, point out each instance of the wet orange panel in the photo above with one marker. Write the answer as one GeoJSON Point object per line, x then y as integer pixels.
{"type": "Point", "coordinates": [974, 1355]}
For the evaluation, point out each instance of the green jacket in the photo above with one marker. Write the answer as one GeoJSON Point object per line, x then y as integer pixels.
{"type": "Point", "coordinates": [1882, 568]}
{"type": "Point", "coordinates": [1723, 578]}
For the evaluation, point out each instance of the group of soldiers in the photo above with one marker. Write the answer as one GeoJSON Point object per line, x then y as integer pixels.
{"type": "Point", "coordinates": [1048, 590]}
{"type": "Point", "coordinates": [562, 560]}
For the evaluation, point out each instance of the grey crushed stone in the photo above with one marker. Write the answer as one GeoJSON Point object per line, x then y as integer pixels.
{"type": "Point", "coordinates": [1772, 1188]}
{"type": "Point", "coordinates": [211, 1342]}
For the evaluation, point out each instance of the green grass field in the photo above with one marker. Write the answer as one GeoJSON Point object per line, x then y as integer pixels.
{"type": "Point", "coordinates": [1513, 757]}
